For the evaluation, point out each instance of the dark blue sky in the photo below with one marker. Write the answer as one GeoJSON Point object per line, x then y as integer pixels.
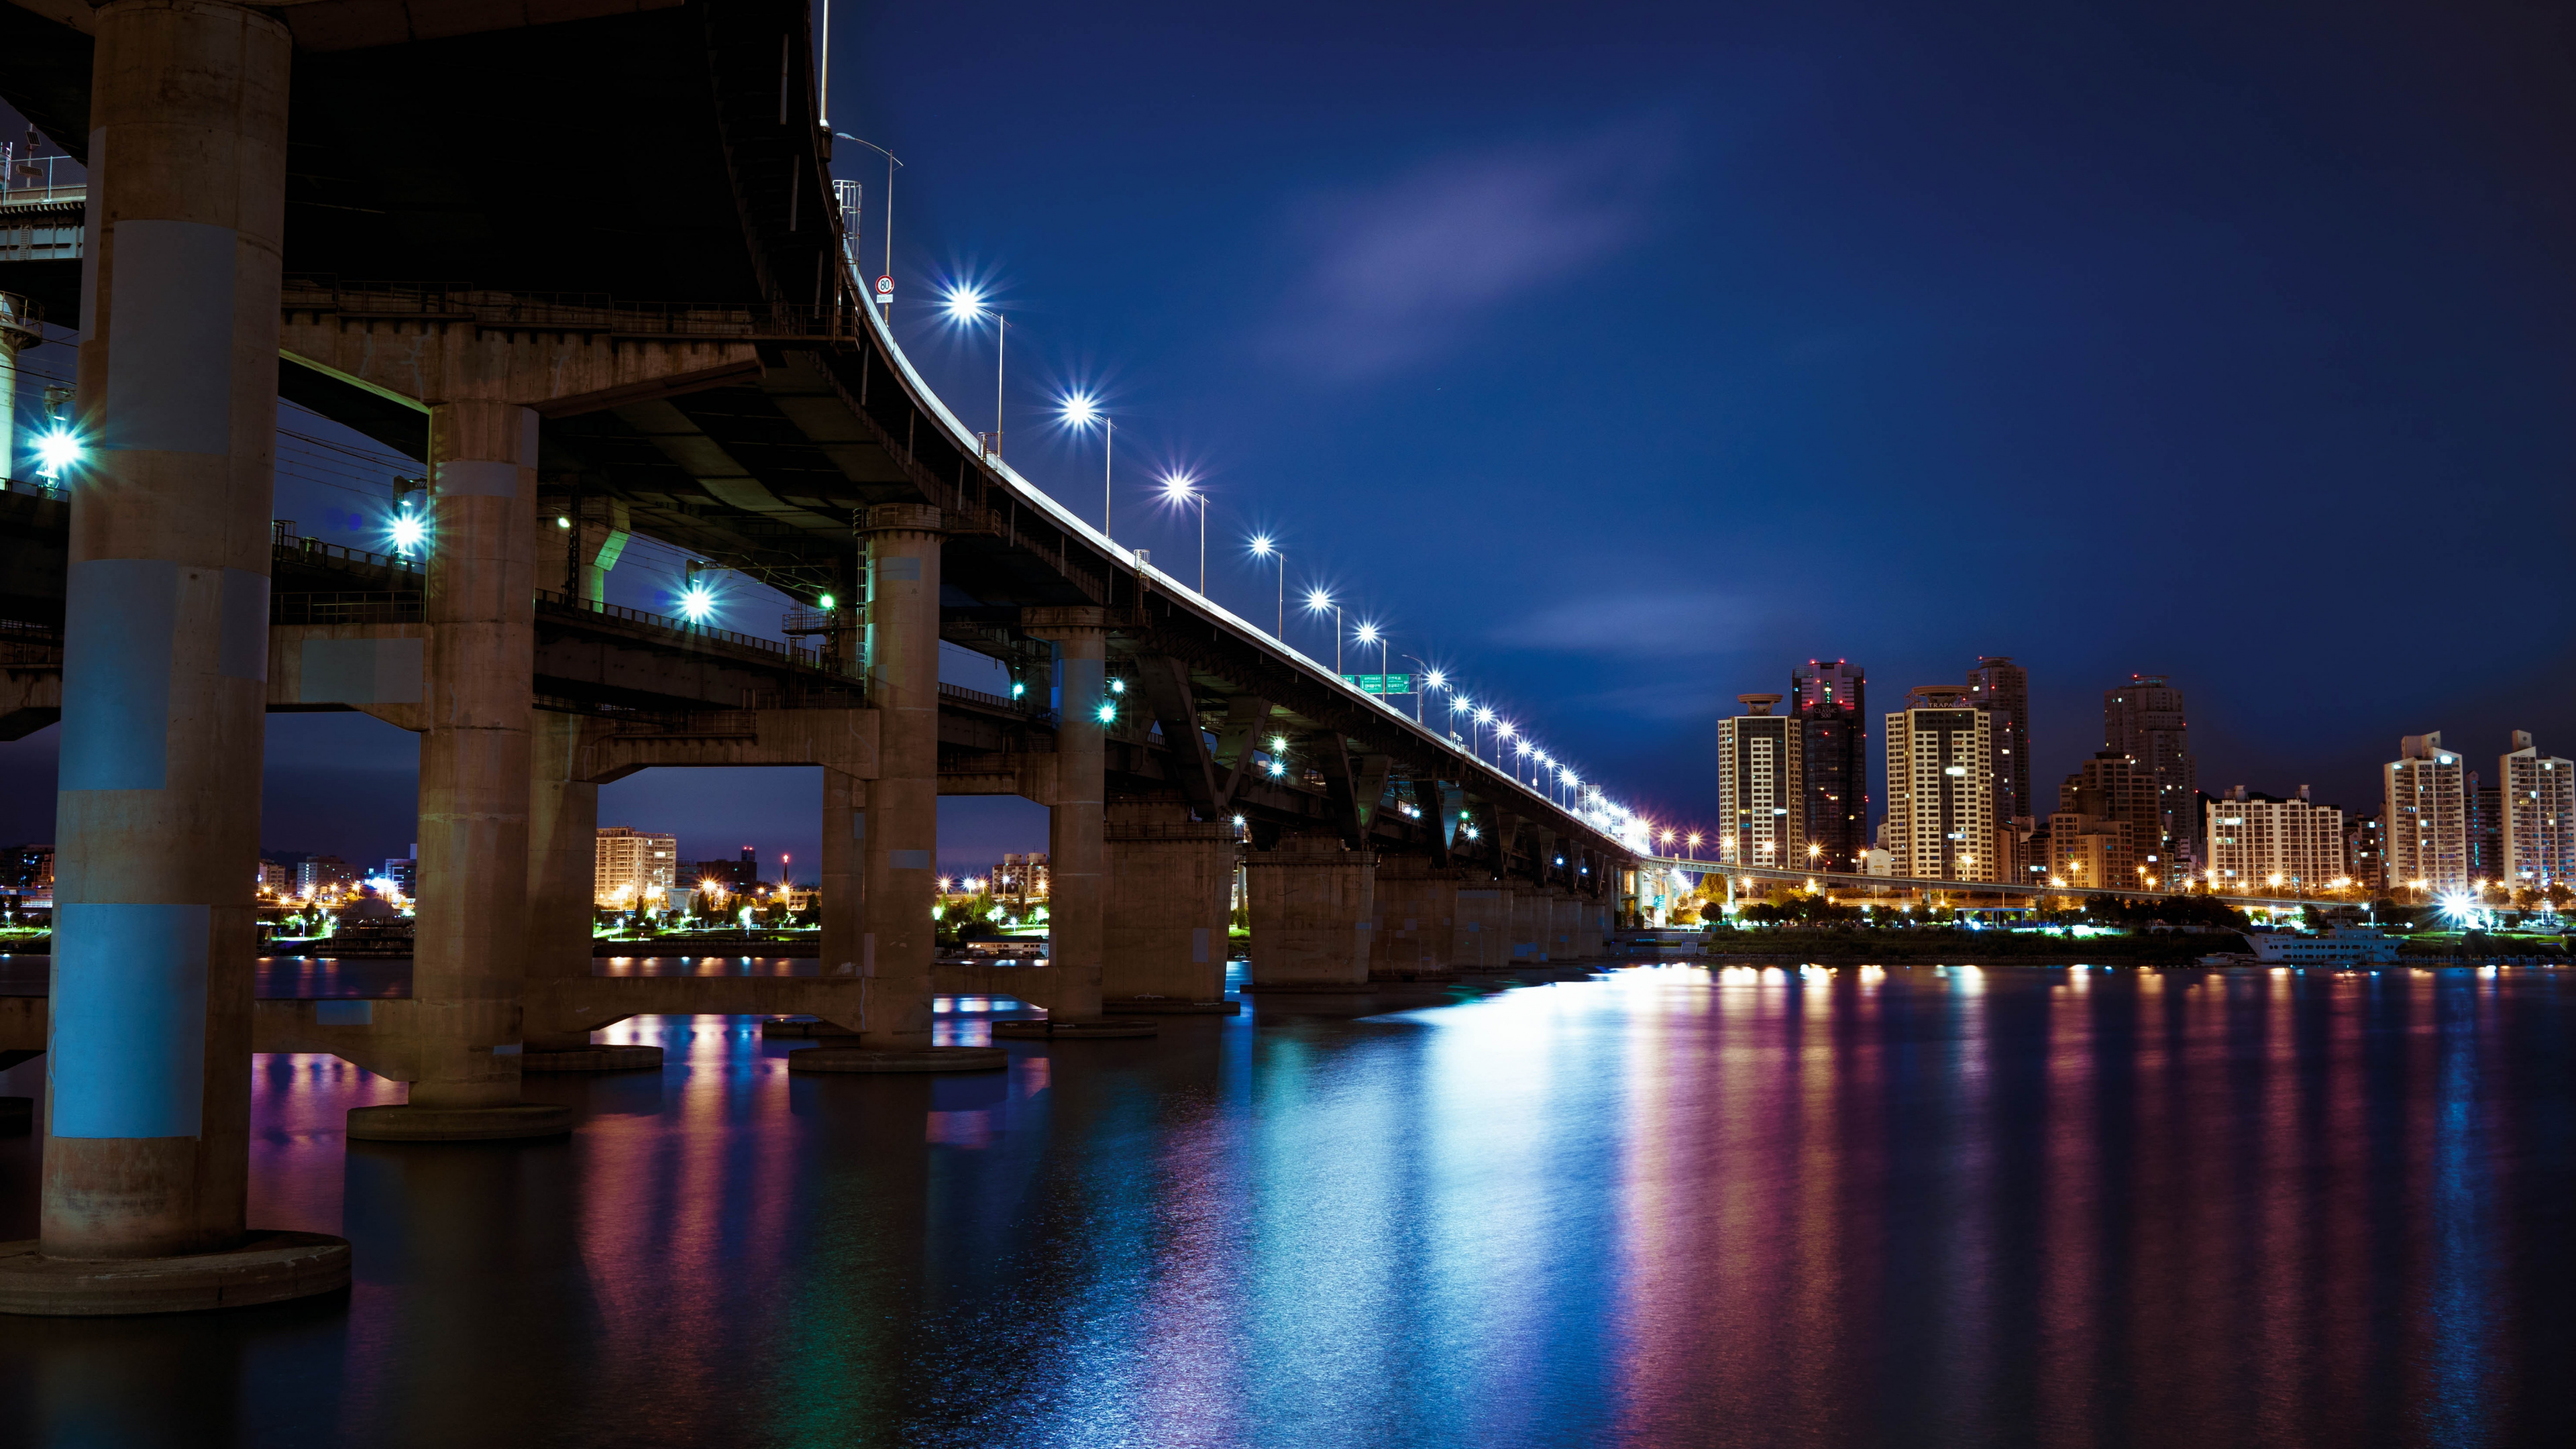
{"type": "Point", "coordinates": [1619, 357]}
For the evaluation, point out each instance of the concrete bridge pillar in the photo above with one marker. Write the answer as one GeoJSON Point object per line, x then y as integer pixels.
{"type": "Point", "coordinates": [1417, 919]}
{"type": "Point", "coordinates": [1529, 923]}
{"type": "Point", "coordinates": [1076, 856]}
{"type": "Point", "coordinates": [1565, 927]}
{"type": "Point", "coordinates": [1312, 903]}
{"type": "Point", "coordinates": [147, 1121]}
{"type": "Point", "coordinates": [1170, 881]}
{"type": "Point", "coordinates": [1481, 939]}
{"type": "Point", "coordinates": [837, 896]}
{"type": "Point", "coordinates": [471, 922]}
{"type": "Point", "coordinates": [563, 861]}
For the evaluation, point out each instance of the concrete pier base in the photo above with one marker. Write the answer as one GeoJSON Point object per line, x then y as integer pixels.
{"type": "Point", "coordinates": [1481, 939]}
{"type": "Point", "coordinates": [594, 1058]}
{"type": "Point", "coordinates": [1172, 1006]}
{"type": "Point", "coordinates": [268, 1267]}
{"type": "Point", "coordinates": [1417, 912]}
{"type": "Point", "coordinates": [1098, 1028]}
{"type": "Point", "coordinates": [898, 1059]}
{"type": "Point", "coordinates": [1311, 910]}
{"type": "Point", "coordinates": [506, 1122]}
{"type": "Point", "coordinates": [1165, 921]}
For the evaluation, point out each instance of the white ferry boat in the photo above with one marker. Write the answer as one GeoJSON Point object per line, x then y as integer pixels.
{"type": "Point", "coordinates": [2342, 946]}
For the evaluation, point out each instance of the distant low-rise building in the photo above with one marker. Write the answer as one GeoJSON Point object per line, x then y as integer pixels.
{"type": "Point", "coordinates": [324, 876]}
{"type": "Point", "coordinates": [737, 877]}
{"type": "Point", "coordinates": [2257, 841]}
{"type": "Point", "coordinates": [1021, 877]}
{"type": "Point", "coordinates": [2092, 850]}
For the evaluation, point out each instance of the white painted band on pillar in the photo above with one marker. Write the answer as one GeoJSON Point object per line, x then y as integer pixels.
{"type": "Point", "coordinates": [121, 617]}
{"type": "Point", "coordinates": [174, 311]}
{"type": "Point", "coordinates": [475, 478]}
{"type": "Point", "coordinates": [125, 1054]}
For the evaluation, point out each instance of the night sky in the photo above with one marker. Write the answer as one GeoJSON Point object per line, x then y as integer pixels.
{"type": "Point", "coordinates": [1620, 357]}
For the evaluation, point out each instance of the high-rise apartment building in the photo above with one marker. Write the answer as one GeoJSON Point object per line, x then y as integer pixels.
{"type": "Point", "coordinates": [2143, 719]}
{"type": "Point", "coordinates": [1761, 795]}
{"type": "Point", "coordinates": [2117, 787]}
{"type": "Point", "coordinates": [738, 877]}
{"type": "Point", "coordinates": [2004, 688]}
{"type": "Point", "coordinates": [2539, 816]}
{"type": "Point", "coordinates": [634, 867]}
{"type": "Point", "coordinates": [1829, 700]}
{"type": "Point", "coordinates": [1940, 790]}
{"type": "Point", "coordinates": [2426, 818]}
{"type": "Point", "coordinates": [2365, 856]}
{"type": "Point", "coordinates": [2258, 841]}
{"type": "Point", "coordinates": [324, 876]}
{"type": "Point", "coordinates": [2485, 804]}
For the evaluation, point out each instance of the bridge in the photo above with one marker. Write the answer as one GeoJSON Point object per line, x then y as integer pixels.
{"type": "Point", "coordinates": [1929, 885]}
{"type": "Point", "coordinates": [657, 337]}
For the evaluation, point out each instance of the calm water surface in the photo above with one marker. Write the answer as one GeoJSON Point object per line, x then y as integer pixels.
{"type": "Point", "coordinates": [1663, 1206]}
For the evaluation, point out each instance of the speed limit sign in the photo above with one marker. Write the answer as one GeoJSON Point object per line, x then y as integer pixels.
{"type": "Point", "coordinates": [885, 290]}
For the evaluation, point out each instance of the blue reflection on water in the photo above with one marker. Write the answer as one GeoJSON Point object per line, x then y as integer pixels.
{"type": "Point", "coordinates": [1665, 1205]}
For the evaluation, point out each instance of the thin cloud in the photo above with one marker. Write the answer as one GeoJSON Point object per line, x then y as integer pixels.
{"type": "Point", "coordinates": [1403, 270]}
{"type": "Point", "coordinates": [1643, 625]}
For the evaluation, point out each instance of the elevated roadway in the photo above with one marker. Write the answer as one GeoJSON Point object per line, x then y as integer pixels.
{"type": "Point", "coordinates": [1845, 881]}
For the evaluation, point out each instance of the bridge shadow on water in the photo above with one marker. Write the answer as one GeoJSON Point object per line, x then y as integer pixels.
{"type": "Point", "coordinates": [1658, 1206]}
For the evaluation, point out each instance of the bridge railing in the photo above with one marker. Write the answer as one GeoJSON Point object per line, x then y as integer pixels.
{"type": "Point", "coordinates": [30, 646]}
{"type": "Point", "coordinates": [345, 608]}
{"type": "Point", "coordinates": [295, 547]}
{"type": "Point", "coordinates": [596, 312]}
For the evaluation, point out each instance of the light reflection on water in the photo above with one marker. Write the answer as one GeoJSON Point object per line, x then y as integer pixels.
{"type": "Point", "coordinates": [1665, 1206]}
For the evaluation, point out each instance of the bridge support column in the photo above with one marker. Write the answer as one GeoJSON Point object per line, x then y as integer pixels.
{"type": "Point", "coordinates": [1565, 927]}
{"type": "Point", "coordinates": [563, 892]}
{"type": "Point", "coordinates": [1170, 881]}
{"type": "Point", "coordinates": [1312, 901]}
{"type": "Point", "coordinates": [1076, 848]}
{"type": "Point", "coordinates": [471, 923]}
{"type": "Point", "coordinates": [894, 834]}
{"type": "Point", "coordinates": [146, 1157]}
{"type": "Point", "coordinates": [1417, 914]}
{"type": "Point", "coordinates": [837, 897]}
{"type": "Point", "coordinates": [1529, 923]}
{"type": "Point", "coordinates": [1482, 938]}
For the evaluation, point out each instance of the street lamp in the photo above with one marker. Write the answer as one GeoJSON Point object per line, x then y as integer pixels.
{"type": "Point", "coordinates": [1317, 602]}
{"type": "Point", "coordinates": [1431, 679]}
{"type": "Point", "coordinates": [1181, 490]}
{"type": "Point", "coordinates": [1368, 634]}
{"type": "Point", "coordinates": [1484, 717]}
{"type": "Point", "coordinates": [1262, 546]}
{"type": "Point", "coordinates": [1502, 734]}
{"type": "Point", "coordinates": [885, 297]}
{"type": "Point", "coordinates": [1081, 410]}
{"type": "Point", "coordinates": [965, 308]}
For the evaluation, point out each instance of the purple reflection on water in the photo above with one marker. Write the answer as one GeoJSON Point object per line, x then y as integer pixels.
{"type": "Point", "coordinates": [1851, 1206]}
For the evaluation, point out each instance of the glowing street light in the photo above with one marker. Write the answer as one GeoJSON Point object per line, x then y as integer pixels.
{"type": "Point", "coordinates": [1317, 601]}
{"type": "Point", "coordinates": [408, 531]}
{"type": "Point", "coordinates": [1181, 490]}
{"type": "Point", "coordinates": [966, 308]}
{"type": "Point", "coordinates": [1368, 633]}
{"type": "Point", "coordinates": [58, 451]}
{"type": "Point", "coordinates": [1431, 679]}
{"type": "Point", "coordinates": [697, 601]}
{"type": "Point", "coordinates": [1263, 546]}
{"type": "Point", "coordinates": [1081, 410]}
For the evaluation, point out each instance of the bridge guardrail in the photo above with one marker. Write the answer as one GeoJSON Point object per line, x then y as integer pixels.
{"type": "Point", "coordinates": [561, 311]}
{"type": "Point", "coordinates": [345, 608]}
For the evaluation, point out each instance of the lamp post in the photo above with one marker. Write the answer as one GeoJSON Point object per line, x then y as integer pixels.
{"type": "Point", "coordinates": [1263, 547]}
{"type": "Point", "coordinates": [1182, 490]}
{"type": "Point", "coordinates": [1431, 679]}
{"type": "Point", "coordinates": [1483, 717]}
{"type": "Point", "coordinates": [1081, 410]}
{"type": "Point", "coordinates": [1317, 602]}
{"type": "Point", "coordinates": [892, 161]}
{"type": "Point", "coordinates": [1368, 634]}
{"type": "Point", "coordinates": [966, 306]}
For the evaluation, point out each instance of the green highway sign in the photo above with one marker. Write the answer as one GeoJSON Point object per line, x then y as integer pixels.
{"type": "Point", "coordinates": [1381, 683]}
